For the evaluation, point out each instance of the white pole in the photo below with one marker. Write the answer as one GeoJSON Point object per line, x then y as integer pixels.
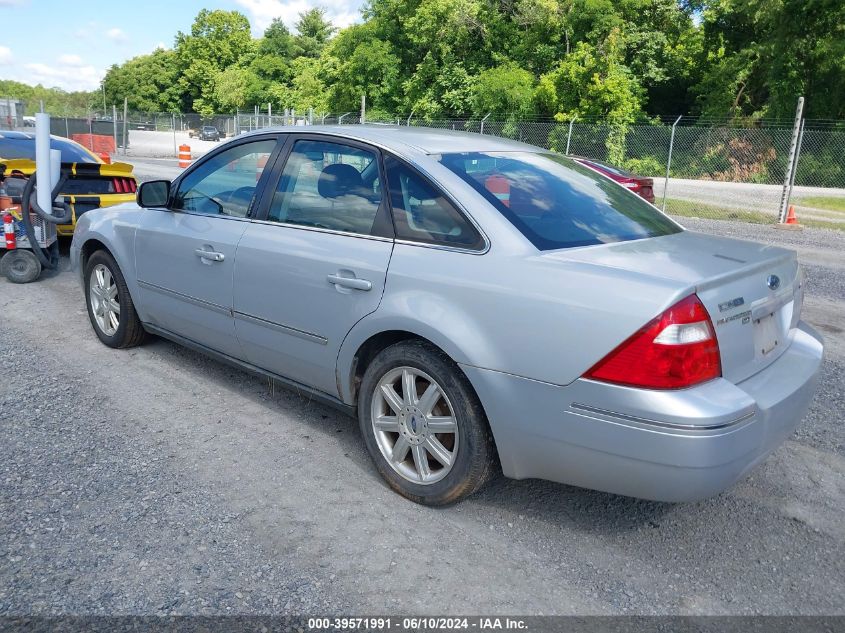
{"type": "Point", "coordinates": [363, 108]}
{"type": "Point", "coordinates": [797, 156]}
{"type": "Point", "coordinates": [43, 194]}
{"type": "Point", "coordinates": [793, 149]}
{"type": "Point", "coordinates": [114, 125]}
{"type": "Point", "coordinates": [482, 122]}
{"type": "Point", "coordinates": [55, 168]}
{"type": "Point", "coordinates": [569, 136]}
{"type": "Point", "coordinates": [669, 162]}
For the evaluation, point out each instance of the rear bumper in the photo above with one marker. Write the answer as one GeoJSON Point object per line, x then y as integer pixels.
{"type": "Point", "coordinates": [663, 445]}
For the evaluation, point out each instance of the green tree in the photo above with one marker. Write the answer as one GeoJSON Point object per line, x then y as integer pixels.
{"type": "Point", "coordinates": [505, 90]}
{"type": "Point", "coordinates": [218, 40]}
{"type": "Point", "coordinates": [306, 90]}
{"type": "Point", "coordinates": [148, 82]}
{"type": "Point", "coordinates": [277, 40]}
{"type": "Point", "coordinates": [592, 83]}
{"type": "Point", "coordinates": [357, 63]}
{"type": "Point", "coordinates": [313, 31]}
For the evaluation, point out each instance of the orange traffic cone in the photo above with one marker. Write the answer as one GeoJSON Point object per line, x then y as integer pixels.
{"type": "Point", "coordinates": [791, 220]}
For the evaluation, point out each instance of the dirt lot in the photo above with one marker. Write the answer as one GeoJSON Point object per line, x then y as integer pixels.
{"type": "Point", "coordinates": [156, 481]}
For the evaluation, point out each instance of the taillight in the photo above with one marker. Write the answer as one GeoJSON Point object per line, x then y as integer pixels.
{"type": "Point", "coordinates": [675, 350]}
{"type": "Point", "coordinates": [123, 185]}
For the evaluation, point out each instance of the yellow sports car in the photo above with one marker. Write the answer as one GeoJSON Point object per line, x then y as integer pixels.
{"type": "Point", "coordinates": [92, 184]}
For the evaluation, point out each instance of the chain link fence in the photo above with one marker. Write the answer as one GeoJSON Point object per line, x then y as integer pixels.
{"type": "Point", "coordinates": [711, 169]}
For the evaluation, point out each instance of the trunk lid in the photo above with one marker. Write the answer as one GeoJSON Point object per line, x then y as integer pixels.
{"type": "Point", "coordinates": [753, 292]}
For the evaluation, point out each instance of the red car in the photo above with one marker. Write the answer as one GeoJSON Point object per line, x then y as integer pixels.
{"type": "Point", "coordinates": [640, 185]}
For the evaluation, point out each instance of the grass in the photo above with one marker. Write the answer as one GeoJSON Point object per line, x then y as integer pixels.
{"type": "Point", "coordinates": [823, 202]}
{"type": "Point", "coordinates": [690, 209]}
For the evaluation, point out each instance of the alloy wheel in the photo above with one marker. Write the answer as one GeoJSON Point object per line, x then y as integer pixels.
{"type": "Point", "coordinates": [415, 425]}
{"type": "Point", "coordinates": [105, 304]}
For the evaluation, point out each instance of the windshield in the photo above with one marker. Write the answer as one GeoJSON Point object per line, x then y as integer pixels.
{"type": "Point", "coordinates": [25, 148]}
{"type": "Point", "coordinates": [557, 203]}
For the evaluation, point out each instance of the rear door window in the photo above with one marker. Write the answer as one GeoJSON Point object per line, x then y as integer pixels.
{"type": "Point", "coordinates": [556, 202]}
{"type": "Point", "coordinates": [421, 213]}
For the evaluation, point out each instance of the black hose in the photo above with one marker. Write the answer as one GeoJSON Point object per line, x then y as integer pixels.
{"type": "Point", "coordinates": [66, 217]}
{"type": "Point", "coordinates": [51, 258]}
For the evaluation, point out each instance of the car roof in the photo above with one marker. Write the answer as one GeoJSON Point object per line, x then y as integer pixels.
{"type": "Point", "coordinates": [424, 139]}
{"type": "Point", "coordinates": [20, 136]}
{"type": "Point", "coordinates": [56, 142]}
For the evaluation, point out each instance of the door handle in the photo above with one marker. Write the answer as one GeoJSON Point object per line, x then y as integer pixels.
{"type": "Point", "coordinates": [210, 255]}
{"type": "Point", "coordinates": [350, 282]}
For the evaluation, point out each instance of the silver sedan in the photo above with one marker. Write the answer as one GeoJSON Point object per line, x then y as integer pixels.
{"type": "Point", "coordinates": [479, 304]}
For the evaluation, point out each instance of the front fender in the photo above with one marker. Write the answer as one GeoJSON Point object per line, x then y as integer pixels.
{"type": "Point", "coordinates": [114, 227]}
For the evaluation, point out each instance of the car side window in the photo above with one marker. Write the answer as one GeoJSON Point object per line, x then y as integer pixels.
{"type": "Point", "coordinates": [421, 213]}
{"type": "Point", "coordinates": [225, 184]}
{"type": "Point", "coordinates": [328, 185]}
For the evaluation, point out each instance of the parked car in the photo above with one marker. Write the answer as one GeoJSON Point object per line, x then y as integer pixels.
{"type": "Point", "coordinates": [640, 185]}
{"type": "Point", "coordinates": [475, 301]}
{"type": "Point", "coordinates": [92, 183]}
{"type": "Point", "coordinates": [209, 133]}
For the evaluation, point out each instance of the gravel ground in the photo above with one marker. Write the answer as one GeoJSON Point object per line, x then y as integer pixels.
{"type": "Point", "coordinates": [158, 481]}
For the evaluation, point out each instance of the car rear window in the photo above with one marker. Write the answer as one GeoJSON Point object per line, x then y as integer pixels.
{"type": "Point", "coordinates": [556, 202]}
{"type": "Point", "coordinates": [25, 148]}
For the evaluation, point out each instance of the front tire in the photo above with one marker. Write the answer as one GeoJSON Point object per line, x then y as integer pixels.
{"type": "Point", "coordinates": [110, 307]}
{"type": "Point", "coordinates": [424, 426]}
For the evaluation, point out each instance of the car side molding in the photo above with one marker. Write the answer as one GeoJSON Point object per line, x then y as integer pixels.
{"type": "Point", "coordinates": [287, 383]}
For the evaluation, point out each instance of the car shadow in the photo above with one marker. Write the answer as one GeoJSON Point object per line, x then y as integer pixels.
{"type": "Point", "coordinates": [547, 501]}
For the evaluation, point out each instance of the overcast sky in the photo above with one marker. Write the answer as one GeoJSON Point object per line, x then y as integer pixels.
{"type": "Point", "coordinates": [71, 44]}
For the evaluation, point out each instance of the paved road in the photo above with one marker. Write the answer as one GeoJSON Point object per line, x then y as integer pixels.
{"type": "Point", "coordinates": [157, 481]}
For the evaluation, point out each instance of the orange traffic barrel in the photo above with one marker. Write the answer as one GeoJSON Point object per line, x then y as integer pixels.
{"type": "Point", "coordinates": [184, 155]}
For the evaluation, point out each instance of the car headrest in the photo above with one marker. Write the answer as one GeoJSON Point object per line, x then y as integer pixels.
{"type": "Point", "coordinates": [339, 180]}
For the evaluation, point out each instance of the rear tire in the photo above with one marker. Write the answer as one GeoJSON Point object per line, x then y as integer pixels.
{"type": "Point", "coordinates": [424, 426]}
{"type": "Point", "coordinates": [20, 266]}
{"type": "Point", "coordinates": [110, 307]}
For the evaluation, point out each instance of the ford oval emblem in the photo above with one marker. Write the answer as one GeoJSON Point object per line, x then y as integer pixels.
{"type": "Point", "coordinates": [773, 282]}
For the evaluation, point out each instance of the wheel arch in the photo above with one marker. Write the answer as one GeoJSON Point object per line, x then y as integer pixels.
{"type": "Point", "coordinates": [89, 247]}
{"type": "Point", "coordinates": [366, 340]}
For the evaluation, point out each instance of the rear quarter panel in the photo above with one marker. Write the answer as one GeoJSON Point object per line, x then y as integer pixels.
{"type": "Point", "coordinates": [522, 315]}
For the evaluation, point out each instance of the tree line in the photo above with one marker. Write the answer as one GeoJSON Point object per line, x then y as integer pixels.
{"type": "Point", "coordinates": [611, 60]}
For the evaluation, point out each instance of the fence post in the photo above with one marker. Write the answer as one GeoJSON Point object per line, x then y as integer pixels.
{"type": "Point", "coordinates": [408, 123]}
{"type": "Point", "coordinates": [125, 123]}
{"type": "Point", "coordinates": [311, 115]}
{"type": "Point", "coordinates": [795, 162]}
{"type": "Point", "coordinates": [569, 136]}
{"type": "Point", "coordinates": [483, 120]}
{"type": "Point", "coordinates": [790, 165]}
{"type": "Point", "coordinates": [669, 162]}
{"type": "Point", "coordinates": [113, 125]}
{"type": "Point", "coordinates": [363, 108]}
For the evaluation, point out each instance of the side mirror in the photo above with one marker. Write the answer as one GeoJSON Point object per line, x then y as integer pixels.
{"type": "Point", "coordinates": [154, 193]}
